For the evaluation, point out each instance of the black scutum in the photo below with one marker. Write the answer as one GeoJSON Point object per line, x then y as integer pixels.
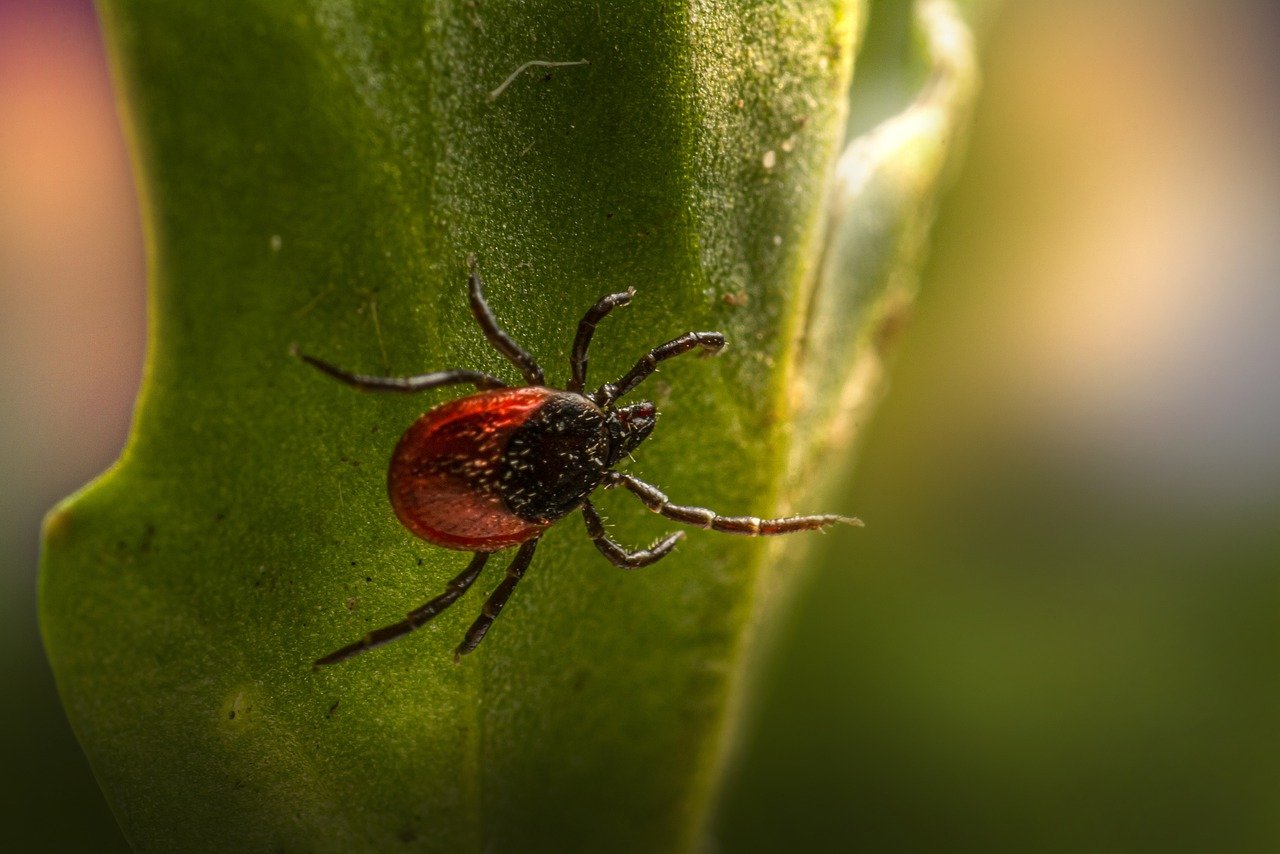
{"type": "Point", "coordinates": [555, 459]}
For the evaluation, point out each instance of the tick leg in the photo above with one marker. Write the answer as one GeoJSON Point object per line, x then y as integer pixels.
{"type": "Point", "coordinates": [700, 517]}
{"type": "Point", "coordinates": [501, 341]}
{"type": "Point", "coordinates": [711, 342]}
{"type": "Point", "coordinates": [616, 554]}
{"type": "Point", "coordinates": [404, 385]}
{"type": "Point", "coordinates": [416, 618]}
{"type": "Point", "coordinates": [493, 605]}
{"type": "Point", "coordinates": [587, 328]}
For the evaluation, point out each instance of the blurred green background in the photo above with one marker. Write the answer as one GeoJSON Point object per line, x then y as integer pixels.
{"type": "Point", "coordinates": [1060, 630]}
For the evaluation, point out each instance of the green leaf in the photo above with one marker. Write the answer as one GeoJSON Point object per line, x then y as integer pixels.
{"type": "Point", "coordinates": [316, 172]}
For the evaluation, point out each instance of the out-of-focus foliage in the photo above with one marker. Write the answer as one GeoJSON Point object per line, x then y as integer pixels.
{"type": "Point", "coordinates": [1059, 631]}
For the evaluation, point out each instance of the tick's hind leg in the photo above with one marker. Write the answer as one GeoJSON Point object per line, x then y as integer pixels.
{"type": "Point", "coordinates": [416, 618]}
{"type": "Point", "coordinates": [701, 517]}
{"type": "Point", "coordinates": [403, 385]}
{"type": "Point", "coordinates": [711, 342]}
{"type": "Point", "coordinates": [501, 341]}
{"type": "Point", "coordinates": [587, 328]}
{"type": "Point", "coordinates": [493, 605]}
{"type": "Point", "coordinates": [616, 554]}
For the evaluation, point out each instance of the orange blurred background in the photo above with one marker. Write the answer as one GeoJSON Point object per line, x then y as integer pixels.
{"type": "Point", "coordinates": [72, 316]}
{"type": "Point", "coordinates": [1059, 630]}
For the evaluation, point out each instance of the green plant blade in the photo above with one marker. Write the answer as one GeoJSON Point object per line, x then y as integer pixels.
{"type": "Point", "coordinates": [316, 172]}
{"type": "Point", "coordinates": [879, 215]}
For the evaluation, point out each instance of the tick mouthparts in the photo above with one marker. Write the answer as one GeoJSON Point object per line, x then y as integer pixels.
{"type": "Point", "coordinates": [637, 412]}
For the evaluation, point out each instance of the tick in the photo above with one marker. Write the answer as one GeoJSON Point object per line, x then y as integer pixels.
{"type": "Point", "coordinates": [495, 469]}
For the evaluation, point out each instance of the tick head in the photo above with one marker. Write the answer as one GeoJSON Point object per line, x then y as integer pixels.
{"type": "Point", "coordinates": [628, 427]}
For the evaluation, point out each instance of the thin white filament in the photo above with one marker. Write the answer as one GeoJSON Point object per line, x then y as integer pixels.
{"type": "Point", "coordinates": [539, 63]}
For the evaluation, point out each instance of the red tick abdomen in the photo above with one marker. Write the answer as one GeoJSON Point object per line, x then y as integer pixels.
{"type": "Point", "coordinates": [442, 480]}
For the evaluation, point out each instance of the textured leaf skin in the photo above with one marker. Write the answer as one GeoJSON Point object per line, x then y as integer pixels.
{"type": "Point", "coordinates": [316, 172]}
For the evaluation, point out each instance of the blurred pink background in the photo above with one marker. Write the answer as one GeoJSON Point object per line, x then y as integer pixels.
{"type": "Point", "coordinates": [1060, 627]}
{"type": "Point", "coordinates": [72, 338]}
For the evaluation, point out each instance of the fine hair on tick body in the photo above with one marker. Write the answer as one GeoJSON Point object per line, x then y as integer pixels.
{"type": "Point", "coordinates": [493, 470]}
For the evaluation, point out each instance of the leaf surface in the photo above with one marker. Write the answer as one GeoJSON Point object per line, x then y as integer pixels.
{"type": "Point", "coordinates": [316, 172]}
